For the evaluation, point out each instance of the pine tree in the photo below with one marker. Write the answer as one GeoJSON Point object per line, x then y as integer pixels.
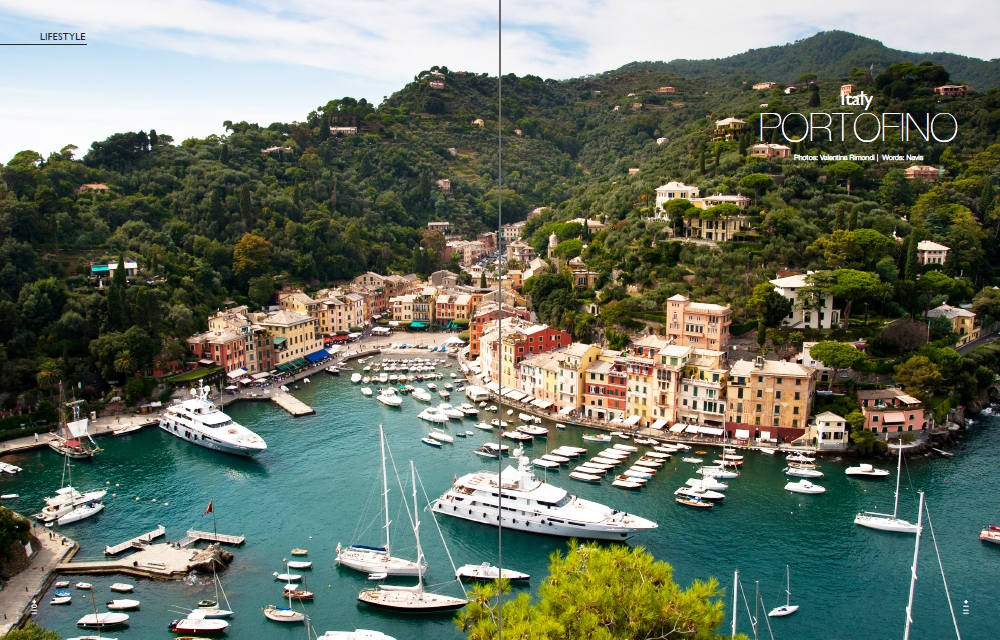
{"type": "Point", "coordinates": [482, 279]}
{"type": "Point", "coordinates": [743, 145]}
{"type": "Point", "coordinates": [225, 154]}
{"type": "Point", "coordinates": [852, 221]}
{"type": "Point", "coordinates": [911, 258]}
{"type": "Point", "coordinates": [840, 222]}
{"type": "Point", "coordinates": [987, 199]}
{"type": "Point", "coordinates": [245, 205]}
{"type": "Point", "coordinates": [701, 162]}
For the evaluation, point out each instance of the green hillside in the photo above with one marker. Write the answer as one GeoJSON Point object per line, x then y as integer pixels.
{"type": "Point", "coordinates": [231, 218]}
{"type": "Point", "coordinates": [830, 54]}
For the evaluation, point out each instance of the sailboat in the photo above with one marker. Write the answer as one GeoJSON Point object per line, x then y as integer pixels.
{"type": "Point", "coordinates": [788, 608]}
{"type": "Point", "coordinates": [210, 608]}
{"type": "Point", "coordinates": [284, 614]}
{"type": "Point", "coordinates": [411, 599]}
{"type": "Point", "coordinates": [74, 447]}
{"type": "Point", "coordinates": [884, 521]}
{"type": "Point", "coordinates": [68, 500]}
{"type": "Point", "coordinates": [378, 559]}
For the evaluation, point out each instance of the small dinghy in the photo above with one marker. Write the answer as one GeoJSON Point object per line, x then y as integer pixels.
{"type": "Point", "coordinates": [122, 605]}
{"type": "Point", "coordinates": [552, 457]}
{"type": "Point", "coordinates": [625, 482]}
{"type": "Point", "coordinates": [122, 587]}
{"type": "Point", "coordinates": [545, 464]}
{"type": "Point", "coordinates": [431, 441]}
{"type": "Point", "coordinates": [300, 552]}
{"type": "Point", "coordinates": [63, 593]}
{"type": "Point", "coordinates": [696, 503]}
{"type": "Point", "coordinates": [584, 477]}
{"type": "Point", "coordinates": [377, 576]}
{"type": "Point", "coordinates": [196, 625]}
{"type": "Point", "coordinates": [283, 614]}
{"type": "Point", "coordinates": [299, 564]}
{"type": "Point", "coordinates": [61, 600]}
{"type": "Point", "coordinates": [692, 460]}
{"type": "Point", "coordinates": [596, 437]}
{"type": "Point", "coordinates": [62, 584]}
{"type": "Point", "coordinates": [84, 585]}
{"type": "Point", "coordinates": [441, 436]}
{"type": "Point", "coordinates": [286, 577]}
{"type": "Point", "coordinates": [485, 571]}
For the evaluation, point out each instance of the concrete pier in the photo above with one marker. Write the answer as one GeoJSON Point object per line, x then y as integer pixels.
{"type": "Point", "coordinates": [291, 404]}
{"type": "Point", "coordinates": [137, 542]}
{"type": "Point", "coordinates": [159, 561]}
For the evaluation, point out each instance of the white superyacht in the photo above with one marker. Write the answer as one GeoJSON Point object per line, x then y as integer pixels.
{"type": "Point", "coordinates": [532, 505]}
{"type": "Point", "coordinates": [198, 420]}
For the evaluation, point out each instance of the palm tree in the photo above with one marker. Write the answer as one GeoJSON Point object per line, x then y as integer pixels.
{"type": "Point", "coordinates": [125, 362]}
{"type": "Point", "coordinates": [48, 375]}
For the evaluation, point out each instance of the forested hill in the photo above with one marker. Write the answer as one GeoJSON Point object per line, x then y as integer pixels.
{"type": "Point", "coordinates": [827, 54]}
{"type": "Point", "coordinates": [232, 217]}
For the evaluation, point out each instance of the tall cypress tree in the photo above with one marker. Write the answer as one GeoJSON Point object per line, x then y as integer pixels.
{"type": "Point", "coordinates": [118, 316]}
{"type": "Point", "coordinates": [986, 199]}
{"type": "Point", "coordinates": [911, 258]}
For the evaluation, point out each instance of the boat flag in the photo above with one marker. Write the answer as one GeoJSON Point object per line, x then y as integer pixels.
{"type": "Point", "coordinates": [209, 508]}
{"type": "Point", "coordinates": [455, 479]}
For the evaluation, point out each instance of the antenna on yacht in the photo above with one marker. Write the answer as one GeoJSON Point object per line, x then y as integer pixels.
{"type": "Point", "coordinates": [497, 356]}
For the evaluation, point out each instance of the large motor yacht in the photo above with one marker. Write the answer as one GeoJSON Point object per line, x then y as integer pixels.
{"type": "Point", "coordinates": [532, 505]}
{"type": "Point", "coordinates": [198, 420]}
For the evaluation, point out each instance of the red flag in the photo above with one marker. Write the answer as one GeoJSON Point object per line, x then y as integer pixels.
{"type": "Point", "coordinates": [455, 480]}
{"type": "Point", "coordinates": [208, 509]}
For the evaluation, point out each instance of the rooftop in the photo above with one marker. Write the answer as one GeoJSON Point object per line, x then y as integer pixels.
{"type": "Point", "coordinates": [771, 367]}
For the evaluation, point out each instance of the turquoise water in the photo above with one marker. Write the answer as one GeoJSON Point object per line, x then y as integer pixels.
{"type": "Point", "coordinates": [311, 488]}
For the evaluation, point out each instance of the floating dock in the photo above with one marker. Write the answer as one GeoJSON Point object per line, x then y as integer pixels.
{"type": "Point", "coordinates": [193, 536]}
{"type": "Point", "coordinates": [138, 542]}
{"type": "Point", "coordinates": [291, 404]}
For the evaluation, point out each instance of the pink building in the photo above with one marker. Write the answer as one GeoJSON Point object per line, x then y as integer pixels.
{"type": "Point", "coordinates": [889, 412]}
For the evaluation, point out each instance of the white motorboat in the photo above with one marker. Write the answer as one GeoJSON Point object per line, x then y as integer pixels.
{"type": "Point", "coordinates": [884, 521]}
{"type": "Point", "coordinates": [625, 447]}
{"type": "Point", "coordinates": [499, 423]}
{"type": "Point", "coordinates": [441, 436]}
{"type": "Point", "coordinates": [81, 512]}
{"type": "Point", "coordinates": [484, 426]}
{"type": "Point", "coordinates": [433, 414]}
{"type": "Point", "coordinates": [122, 605]}
{"type": "Point", "coordinates": [431, 441]}
{"type": "Point", "coordinates": [649, 462]}
{"type": "Point", "coordinates": [524, 417]}
{"type": "Point", "coordinates": [625, 482]}
{"type": "Point", "coordinates": [198, 421]}
{"type": "Point", "coordinates": [102, 620]}
{"type": "Point", "coordinates": [768, 450]}
{"type": "Point", "coordinates": [199, 625]}
{"type": "Point", "coordinates": [799, 457]}
{"type": "Point", "coordinates": [299, 564]}
{"type": "Point", "coordinates": [485, 571]}
{"type": "Point", "coordinates": [468, 409]}
{"type": "Point", "coordinates": [533, 430]}
{"type": "Point", "coordinates": [383, 377]}
{"type": "Point", "coordinates": [411, 599]}
{"type": "Point", "coordinates": [638, 473]}
{"type": "Point", "coordinates": [801, 472]}
{"type": "Point", "coordinates": [788, 608]}
{"type": "Point", "coordinates": [707, 482]}
{"type": "Point", "coordinates": [542, 507]}
{"type": "Point", "coordinates": [516, 436]}
{"type": "Point", "coordinates": [366, 380]}
{"type": "Point", "coordinates": [366, 391]}
{"type": "Point", "coordinates": [378, 559]}
{"type": "Point", "coordinates": [444, 393]}
{"type": "Point", "coordinates": [359, 634]}
{"type": "Point", "coordinates": [583, 476]}
{"type": "Point", "coordinates": [545, 464]}
{"type": "Point", "coordinates": [122, 587]}
{"type": "Point", "coordinates": [389, 397]}
{"type": "Point", "coordinates": [450, 411]}
{"type": "Point", "coordinates": [693, 460]}
{"type": "Point", "coordinates": [658, 455]}
{"type": "Point", "coordinates": [432, 386]}
{"type": "Point", "coordinates": [6, 467]}
{"type": "Point", "coordinates": [560, 425]}
{"type": "Point", "coordinates": [597, 437]}
{"type": "Point", "coordinates": [84, 586]}
{"type": "Point", "coordinates": [569, 452]}
{"type": "Point", "coordinates": [718, 472]}
{"type": "Point", "coordinates": [804, 486]}
{"type": "Point", "coordinates": [701, 494]}
{"type": "Point", "coordinates": [421, 394]}
{"type": "Point", "coordinates": [866, 471]}
{"type": "Point", "coordinates": [355, 378]}
{"type": "Point", "coordinates": [61, 600]}
{"type": "Point", "coordinates": [287, 577]}
{"type": "Point", "coordinates": [553, 457]}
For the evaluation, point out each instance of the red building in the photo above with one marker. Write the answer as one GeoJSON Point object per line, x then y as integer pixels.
{"type": "Point", "coordinates": [483, 316]}
{"type": "Point", "coordinates": [223, 348]}
{"type": "Point", "coordinates": [605, 392]}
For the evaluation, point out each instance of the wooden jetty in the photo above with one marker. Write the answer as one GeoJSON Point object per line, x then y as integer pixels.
{"type": "Point", "coordinates": [193, 536]}
{"type": "Point", "coordinates": [137, 542]}
{"type": "Point", "coordinates": [291, 404]}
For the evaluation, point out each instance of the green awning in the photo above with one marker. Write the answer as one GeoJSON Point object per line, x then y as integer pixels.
{"type": "Point", "coordinates": [418, 325]}
{"type": "Point", "coordinates": [300, 362]}
{"type": "Point", "coordinates": [285, 367]}
{"type": "Point", "coordinates": [278, 341]}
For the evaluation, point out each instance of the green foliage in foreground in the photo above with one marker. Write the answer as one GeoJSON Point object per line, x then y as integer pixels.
{"type": "Point", "coordinates": [603, 593]}
{"type": "Point", "coordinates": [12, 528]}
{"type": "Point", "coordinates": [31, 631]}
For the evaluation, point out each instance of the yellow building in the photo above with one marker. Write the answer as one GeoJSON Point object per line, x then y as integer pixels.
{"type": "Point", "coordinates": [295, 335]}
{"type": "Point", "coordinates": [962, 322]}
{"type": "Point", "coordinates": [769, 399]}
{"type": "Point", "coordinates": [572, 362]}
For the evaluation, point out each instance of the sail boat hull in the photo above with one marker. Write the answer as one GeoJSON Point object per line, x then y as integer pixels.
{"type": "Point", "coordinates": [783, 610]}
{"type": "Point", "coordinates": [371, 561]}
{"type": "Point", "coordinates": [409, 601]}
{"type": "Point", "coordinates": [884, 523]}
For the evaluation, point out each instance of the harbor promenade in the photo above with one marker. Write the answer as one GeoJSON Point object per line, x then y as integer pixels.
{"type": "Point", "coordinates": [101, 427]}
{"type": "Point", "coordinates": [29, 585]}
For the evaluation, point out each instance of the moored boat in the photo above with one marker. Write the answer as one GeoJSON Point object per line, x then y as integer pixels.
{"type": "Point", "coordinates": [485, 571]}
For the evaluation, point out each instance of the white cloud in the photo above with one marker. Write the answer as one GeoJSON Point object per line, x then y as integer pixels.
{"type": "Point", "coordinates": [312, 50]}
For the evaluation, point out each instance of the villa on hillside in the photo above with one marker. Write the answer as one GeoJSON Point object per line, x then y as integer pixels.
{"type": "Point", "coordinates": [962, 322]}
{"type": "Point", "coordinates": [931, 252]}
{"type": "Point", "coordinates": [770, 151]}
{"type": "Point", "coordinates": [728, 128]}
{"type": "Point", "coordinates": [806, 314]}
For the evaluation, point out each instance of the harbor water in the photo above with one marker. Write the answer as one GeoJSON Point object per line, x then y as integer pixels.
{"type": "Point", "coordinates": [319, 484]}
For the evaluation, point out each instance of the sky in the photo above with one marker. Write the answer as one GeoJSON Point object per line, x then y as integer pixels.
{"type": "Point", "coordinates": [183, 67]}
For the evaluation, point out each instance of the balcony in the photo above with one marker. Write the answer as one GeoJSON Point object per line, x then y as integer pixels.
{"type": "Point", "coordinates": [702, 383]}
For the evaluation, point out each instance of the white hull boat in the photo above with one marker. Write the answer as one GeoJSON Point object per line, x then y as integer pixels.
{"type": "Point", "coordinates": [441, 436]}
{"type": "Point", "coordinates": [122, 605]}
{"type": "Point", "coordinates": [81, 513]}
{"type": "Point", "coordinates": [804, 486]}
{"type": "Point", "coordinates": [421, 395]}
{"type": "Point", "coordinates": [198, 625]}
{"type": "Point", "coordinates": [866, 471]}
{"type": "Point", "coordinates": [366, 392]}
{"type": "Point", "coordinates": [431, 414]}
{"type": "Point", "coordinates": [788, 608]}
{"type": "Point", "coordinates": [450, 411]}
{"type": "Point", "coordinates": [718, 472]}
{"type": "Point", "coordinates": [389, 398]}
{"type": "Point", "coordinates": [360, 634]}
{"type": "Point", "coordinates": [355, 378]}
{"type": "Point", "coordinates": [799, 472]}
{"type": "Point", "coordinates": [884, 521]}
{"type": "Point", "coordinates": [703, 494]}
{"type": "Point", "coordinates": [102, 620]}
{"type": "Point", "coordinates": [299, 564]}
{"type": "Point", "coordinates": [199, 422]}
{"type": "Point", "coordinates": [122, 587]}
{"type": "Point", "coordinates": [706, 483]}
{"type": "Point", "coordinates": [485, 571]}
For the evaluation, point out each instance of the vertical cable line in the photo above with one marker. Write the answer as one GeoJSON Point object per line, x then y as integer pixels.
{"type": "Point", "coordinates": [499, 353]}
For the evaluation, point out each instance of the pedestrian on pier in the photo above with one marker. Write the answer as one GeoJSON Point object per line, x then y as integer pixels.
{"type": "Point", "coordinates": [36, 437]}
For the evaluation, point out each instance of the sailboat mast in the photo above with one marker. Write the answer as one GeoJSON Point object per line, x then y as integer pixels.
{"type": "Point", "coordinates": [899, 468]}
{"type": "Point", "coordinates": [756, 610]}
{"type": "Point", "coordinates": [736, 582]}
{"type": "Point", "coordinates": [788, 588]}
{"type": "Point", "coordinates": [913, 569]}
{"type": "Point", "coordinates": [416, 529]}
{"type": "Point", "coordinates": [385, 488]}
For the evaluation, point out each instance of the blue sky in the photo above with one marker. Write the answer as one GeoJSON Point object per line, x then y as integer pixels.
{"type": "Point", "coordinates": [184, 66]}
